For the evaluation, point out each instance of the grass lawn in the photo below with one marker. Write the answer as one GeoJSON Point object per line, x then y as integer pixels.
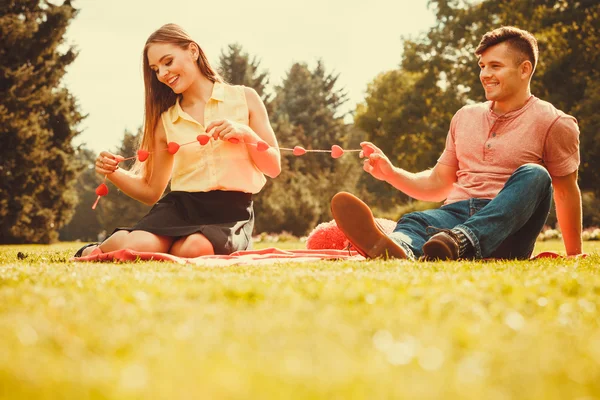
{"type": "Point", "coordinates": [326, 330]}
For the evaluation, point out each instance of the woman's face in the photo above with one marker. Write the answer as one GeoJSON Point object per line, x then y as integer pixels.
{"type": "Point", "coordinates": [174, 66]}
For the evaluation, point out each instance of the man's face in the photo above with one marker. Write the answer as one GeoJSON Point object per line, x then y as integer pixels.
{"type": "Point", "coordinates": [502, 78]}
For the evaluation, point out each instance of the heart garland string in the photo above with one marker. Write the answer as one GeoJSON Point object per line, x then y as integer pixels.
{"type": "Point", "coordinates": [172, 147]}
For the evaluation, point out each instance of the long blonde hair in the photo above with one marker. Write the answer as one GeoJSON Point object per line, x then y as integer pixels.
{"type": "Point", "coordinates": [158, 96]}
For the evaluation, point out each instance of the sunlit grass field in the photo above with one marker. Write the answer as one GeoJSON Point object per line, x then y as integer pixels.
{"type": "Point", "coordinates": [323, 330]}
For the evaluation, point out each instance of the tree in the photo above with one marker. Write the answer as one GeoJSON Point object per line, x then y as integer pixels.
{"type": "Point", "coordinates": [114, 210]}
{"type": "Point", "coordinates": [441, 68]}
{"type": "Point", "coordinates": [85, 224]}
{"type": "Point", "coordinates": [569, 40]}
{"type": "Point", "coordinates": [236, 67]}
{"type": "Point", "coordinates": [38, 120]}
{"type": "Point", "coordinates": [309, 101]}
{"type": "Point", "coordinates": [306, 113]}
{"type": "Point", "coordinates": [401, 119]}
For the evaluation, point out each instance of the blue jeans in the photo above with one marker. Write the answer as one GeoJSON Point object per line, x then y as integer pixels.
{"type": "Point", "coordinates": [505, 227]}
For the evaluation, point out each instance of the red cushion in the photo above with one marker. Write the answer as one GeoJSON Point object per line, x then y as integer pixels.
{"type": "Point", "coordinates": [327, 235]}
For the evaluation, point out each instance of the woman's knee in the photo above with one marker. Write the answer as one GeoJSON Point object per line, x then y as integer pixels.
{"type": "Point", "coordinates": [114, 241]}
{"type": "Point", "coordinates": [195, 245]}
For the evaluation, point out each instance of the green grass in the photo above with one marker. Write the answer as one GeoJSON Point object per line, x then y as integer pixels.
{"type": "Point", "coordinates": [327, 330]}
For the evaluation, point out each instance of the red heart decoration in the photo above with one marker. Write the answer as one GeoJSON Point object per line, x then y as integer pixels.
{"type": "Point", "coordinates": [262, 146]}
{"type": "Point", "coordinates": [203, 139]}
{"type": "Point", "coordinates": [299, 151]}
{"type": "Point", "coordinates": [234, 140]}
{"type": "Point", "coordinates": [102, 190]}
{"type": "Point", "coordinates": [336, 151]}
{"type": "Point", "coordinates": [172, 147]}
{"type": "Point", "coordinates": [368, 151]}
{"type": "Point", "coordinates": [142, 155]}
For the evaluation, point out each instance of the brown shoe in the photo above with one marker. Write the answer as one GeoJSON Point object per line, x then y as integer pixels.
{"type": "Point", "coordinates": [356, 221]}
{"type": "Point", "coordinates": [447, 245]}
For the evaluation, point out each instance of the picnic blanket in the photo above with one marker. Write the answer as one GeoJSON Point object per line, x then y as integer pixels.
{"type": "Point", "coordinates": [270, 255]}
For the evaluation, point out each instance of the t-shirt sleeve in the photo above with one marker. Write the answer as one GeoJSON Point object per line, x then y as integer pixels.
{"type": "Point", "coordinates": [561, 149]}
{"type": "Point", "coordinates": [448, 157]}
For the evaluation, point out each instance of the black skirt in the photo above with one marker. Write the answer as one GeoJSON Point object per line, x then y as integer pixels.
{"type": "Point", "coordinates": [226, 219]}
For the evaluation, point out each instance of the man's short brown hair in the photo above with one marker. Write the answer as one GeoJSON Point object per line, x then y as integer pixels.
{"type": "Point", "coordinates": [519, 40]}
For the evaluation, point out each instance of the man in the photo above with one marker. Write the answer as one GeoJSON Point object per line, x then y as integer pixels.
{"type": "Point", "coordinates": [502, 160]}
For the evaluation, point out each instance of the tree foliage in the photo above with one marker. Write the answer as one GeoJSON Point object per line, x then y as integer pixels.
{"type": "Point", "coordinates": [306, 113]}
{"type": "Point", "coordinates": [85, 224]}
{"type": "Point", "coordinates": [238, 68]}
{"type": "Point", "coordinates": [403, 120]}
{"type": "Point", "coordinates": [118, 209]}
{"type": "Point", "coordinates": [310, 100]}
{"type": "Point", "coordinates": [38, 120]}
{"type": "Point", "coordinates": [438, 74]}
{"type": "Point", "coordinates": [114, 210]}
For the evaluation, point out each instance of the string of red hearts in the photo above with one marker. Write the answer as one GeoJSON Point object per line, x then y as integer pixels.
{"type": "Point", "coordinates": [172, 147]}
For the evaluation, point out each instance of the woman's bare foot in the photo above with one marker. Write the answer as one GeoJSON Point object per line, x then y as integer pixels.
{"type": "Point", "coordinates": [88, 250]}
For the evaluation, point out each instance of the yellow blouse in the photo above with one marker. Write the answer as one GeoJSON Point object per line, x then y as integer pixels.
{"type": "Point", "coordinates": [218, 165]}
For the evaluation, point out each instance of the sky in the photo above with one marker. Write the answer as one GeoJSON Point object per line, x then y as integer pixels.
{"type": "Point", "coordinates": [355, 39]}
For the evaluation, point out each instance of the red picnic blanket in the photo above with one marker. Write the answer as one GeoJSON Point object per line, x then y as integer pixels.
{"type": "Point", "coordinates": [265, 256]}
{"type": "Point", "coordinates": [249, 257]}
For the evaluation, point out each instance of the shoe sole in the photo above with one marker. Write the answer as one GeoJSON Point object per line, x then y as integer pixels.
{"type": "Point", "coordinates": [356, 221]}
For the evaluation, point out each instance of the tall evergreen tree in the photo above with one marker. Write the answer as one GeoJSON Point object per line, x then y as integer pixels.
{"type": "Point", "coordinates": [38, 119]}
{"type": "Point", "coordinates": [306, 113]}
{"type": "Point", "coordinates": [237, 68]}
{"type": "Point", "coordinates": [310, 102]}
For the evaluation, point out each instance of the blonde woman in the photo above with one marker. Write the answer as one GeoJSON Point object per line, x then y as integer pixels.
{"type": "Point", "coordinates": [209, 209]}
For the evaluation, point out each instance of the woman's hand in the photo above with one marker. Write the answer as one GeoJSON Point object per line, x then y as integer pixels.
{"type": "Point", "coordinates": [376, 163]}
{"type": "Point", "coordinates": [107, 163]}
{"type": "Point", "coordinates": [225, 129]}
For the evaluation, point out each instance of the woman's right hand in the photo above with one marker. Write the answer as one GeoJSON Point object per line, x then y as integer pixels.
{"type": "Point", "coordinates": [107, 163]}
{"type": "Point", "coordinates": [376, 163]}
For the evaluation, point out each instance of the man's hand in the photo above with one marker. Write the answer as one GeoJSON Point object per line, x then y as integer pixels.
{"type": "Point", "coordinates": [376, 162]}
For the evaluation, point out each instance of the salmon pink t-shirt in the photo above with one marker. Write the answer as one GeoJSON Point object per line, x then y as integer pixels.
{"type": "Point", "coordinates": [487, 148]}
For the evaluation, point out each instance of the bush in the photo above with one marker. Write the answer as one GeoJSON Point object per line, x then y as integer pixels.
{"type": "Point", "coordinates": [296, 202]}
{"type": "Point", "coordinates": [592, 233]}
{"type": "Point", "coordinates": [289, 204]}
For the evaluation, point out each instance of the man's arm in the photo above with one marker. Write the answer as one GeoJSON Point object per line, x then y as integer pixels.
{"type": "Point", "coordinates": [430, 185]}
{"type": "Point", "coordinates": [567, 198]}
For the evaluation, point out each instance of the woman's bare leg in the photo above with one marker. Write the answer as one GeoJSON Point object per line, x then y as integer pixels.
{"type": "Point", "coordinates": [138, 241]}
{"type": "Point", "coordinates": [194, 245]}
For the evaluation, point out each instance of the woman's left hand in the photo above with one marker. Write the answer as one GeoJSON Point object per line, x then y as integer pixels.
{"type": "Point", "coordinates": [225, 129]}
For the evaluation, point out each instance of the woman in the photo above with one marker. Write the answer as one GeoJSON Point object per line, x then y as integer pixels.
{"type": "Point", "coordinates": [209, 210]}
